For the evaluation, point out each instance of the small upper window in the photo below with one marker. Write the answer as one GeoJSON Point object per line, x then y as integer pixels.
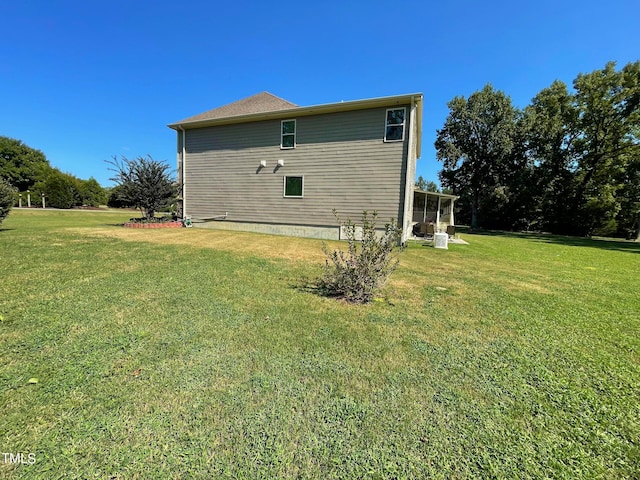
{"type": "Point", "coordinates": [288, 134]}
{"type": "Point", "coordinates": [394, 125]}
{"type": "Point", "coordinates": [293, 186]}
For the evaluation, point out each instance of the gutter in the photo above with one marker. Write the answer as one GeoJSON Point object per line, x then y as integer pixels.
{"type": "Point", "coordinates": [302, 111]}
{"type": "Point", "coordinates": [183, 158]}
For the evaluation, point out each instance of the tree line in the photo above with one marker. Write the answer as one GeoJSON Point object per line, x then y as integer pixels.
{"type": "Point", "coordinates": [27, 169]}
{"type": "Point", "coordinates": [568, 163]}
{"type": "Point", "coordinates": [142, 183]}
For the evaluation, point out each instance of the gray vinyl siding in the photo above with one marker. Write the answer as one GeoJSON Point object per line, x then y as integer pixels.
{"type": "Point", "coordinates": [342, 157]}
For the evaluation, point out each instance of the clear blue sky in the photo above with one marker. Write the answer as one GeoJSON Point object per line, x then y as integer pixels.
{"type": "Point", "coordinates": [85, 80]}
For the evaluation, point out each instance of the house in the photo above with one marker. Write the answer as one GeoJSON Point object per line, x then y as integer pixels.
{"type": "Point", "coordinates": [267, 165]}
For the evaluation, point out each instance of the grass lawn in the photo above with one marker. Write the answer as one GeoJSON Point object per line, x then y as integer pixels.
{"type": "Point", "coordinates": [193, 353]}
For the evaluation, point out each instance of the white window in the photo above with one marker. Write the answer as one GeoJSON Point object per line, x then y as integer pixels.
{"type": "Point", "coordinates": [394, 125]}
{"type": "Point", "coordinates": [288, 134]}
{"type": "Point", "coordinates": [294, 186]}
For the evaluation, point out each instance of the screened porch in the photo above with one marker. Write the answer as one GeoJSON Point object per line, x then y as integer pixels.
{"type": "Point", "coordinates": [434, 208]}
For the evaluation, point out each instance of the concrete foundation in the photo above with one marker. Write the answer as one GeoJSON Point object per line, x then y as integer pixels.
{"type": "Point", "coordinates": [308, 231]}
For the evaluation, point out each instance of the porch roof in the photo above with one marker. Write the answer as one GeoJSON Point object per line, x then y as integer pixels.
{"type": "Point", "coordinates": [437, 194]}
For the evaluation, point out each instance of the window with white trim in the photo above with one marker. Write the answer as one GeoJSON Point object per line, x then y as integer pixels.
{"type": "Point", "coordinates": [394, 125]}
{"type": "Point", "coordinates": [288, 134]}
{"type": "Point", "coordinates": [294, 186]}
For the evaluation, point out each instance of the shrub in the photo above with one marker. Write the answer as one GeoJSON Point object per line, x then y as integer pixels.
{"type": "Point", "coordinates": [91, 193]}
{"type": "Point", "coordinates": [144, 183]}
{"type": "Point", "coordinates": [60, 190]}
{"type": "Point", "coordinates": [7, 198]}
{"type": "Point", "coordinates": [116, 198]}
{"type": "Point", "coordinates": [359, 273]}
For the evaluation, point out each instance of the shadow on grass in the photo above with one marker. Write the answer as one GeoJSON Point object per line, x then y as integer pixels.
{"type": "Point", "coordinates": [312, 285]}
{"type": "Point", "coordinates": [602, 243]}
{"type": "Point", "coordinates": [309, 285]}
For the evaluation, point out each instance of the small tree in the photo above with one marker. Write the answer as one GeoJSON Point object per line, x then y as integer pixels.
{"type": "Point", "coordinates": [144, 183]}
{"type": "Point", "coordinates": [358, 274]}
{"type": "Point", "coordinates": [7, 197]}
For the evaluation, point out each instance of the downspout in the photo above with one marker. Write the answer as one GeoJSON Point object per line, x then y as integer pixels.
{"type": "Point", "coordinates": [182, 170]}
{"type": "Point", "coordinates": [410, 174]}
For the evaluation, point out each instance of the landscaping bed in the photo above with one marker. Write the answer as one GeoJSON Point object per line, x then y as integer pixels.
{"type": "Point", "coordinates": [153, 225]}
{"type": "Point", "coordinates": [156, 222]}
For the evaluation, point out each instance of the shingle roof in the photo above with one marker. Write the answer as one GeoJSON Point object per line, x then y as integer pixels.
{"type": "Point", "coordinates": [259, 103]}
{"type": "Point", "coordinates": [266, 106]}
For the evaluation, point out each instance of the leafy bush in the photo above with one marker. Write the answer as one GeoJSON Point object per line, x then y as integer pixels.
{"type": "Point", "coordinates": [360, 272]}
{"type": "Point", "coordinates": [91, 193]}
{"type": "Point", "coordinates": [60, 190]}
{"type": "Point", "coordinates": [143, 183]}
{"type": "Point", "coordinates": [115, 198]}
{"type": "Point", "coordinates": [7, 198]}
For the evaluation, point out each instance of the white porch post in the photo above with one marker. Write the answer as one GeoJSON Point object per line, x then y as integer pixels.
{"type": "Point", "coordinates": [410, 174]}
{"type": "Point", "coordinates": [424, 214]}
{"type": "Point", "coordinates": [452, 219]}
{"type": "Point", "coordinates": [438, 214]}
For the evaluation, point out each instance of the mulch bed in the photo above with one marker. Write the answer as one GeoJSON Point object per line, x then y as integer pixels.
{"type": "Point", "coordinates": [153, 225]}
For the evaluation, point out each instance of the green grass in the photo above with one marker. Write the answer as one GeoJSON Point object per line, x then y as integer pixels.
{"type": "Point", "coordinates": [202, 354]}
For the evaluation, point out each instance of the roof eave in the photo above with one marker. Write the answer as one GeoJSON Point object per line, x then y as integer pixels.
{"type": "Point", "coordinates": [311, 110]}
{"type": "Point", "coordinates": [438, 194]}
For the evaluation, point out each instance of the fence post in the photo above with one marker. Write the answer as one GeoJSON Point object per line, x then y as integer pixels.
{"type": "Point", "coordinates": [19, 200]}
{"type": "Point", "coordinates": [43, 204]}
{"type": "Point", "coordinates": [28, 199]}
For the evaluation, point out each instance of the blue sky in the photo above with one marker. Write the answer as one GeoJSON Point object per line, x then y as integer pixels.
{"type": "Point", "coordinates": [83, 81]}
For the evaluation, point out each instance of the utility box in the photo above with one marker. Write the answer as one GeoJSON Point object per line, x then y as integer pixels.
{"type": "Point", "coordinates": [440, 240]}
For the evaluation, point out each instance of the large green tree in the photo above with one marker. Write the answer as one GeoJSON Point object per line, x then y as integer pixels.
{"type": "Point", "coordinates": [628, 217]}
{"type": "Point", "coordinates": [476, 146]}
{"type": "Point", "coordinates": [20, 164]}
{"type": "Point", "coordinates": [608, 102]}
{"type": "Point", "coordinates": [508, 204]}
{"type": "Point", "coordinates": [569, 163]}
{"type": "Point", "coordinates": [629, 197]}
{"type": "Point", "coordinates": [550, 132]}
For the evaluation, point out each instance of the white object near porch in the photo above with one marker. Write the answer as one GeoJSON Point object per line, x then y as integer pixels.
{"type": "Point", "coordinates": [440, 240]}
